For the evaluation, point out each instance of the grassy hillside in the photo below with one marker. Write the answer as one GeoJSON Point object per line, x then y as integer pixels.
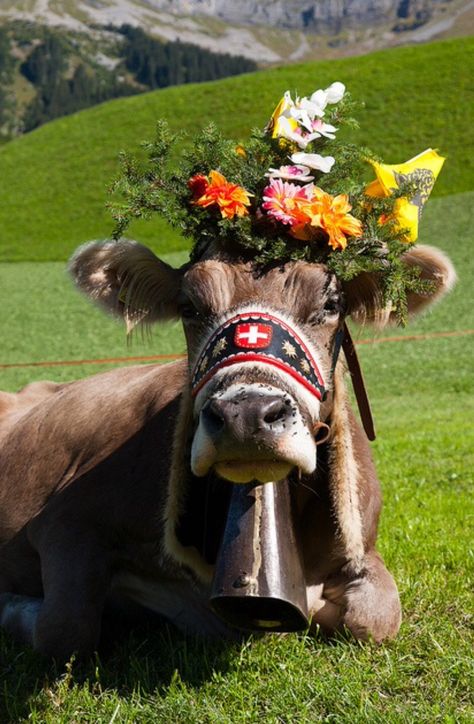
{"type": "Point", "coordinates": [53, 181]}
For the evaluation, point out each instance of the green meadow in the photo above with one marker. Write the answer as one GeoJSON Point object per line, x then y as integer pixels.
{"type": "Point", "coordinates": [421, 392]}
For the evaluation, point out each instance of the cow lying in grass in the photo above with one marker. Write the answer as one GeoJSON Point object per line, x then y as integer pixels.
{"type": "Point", "coordinates": [117, 486]}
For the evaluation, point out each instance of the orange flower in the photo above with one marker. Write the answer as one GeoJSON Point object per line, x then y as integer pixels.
{"type": "Point", "coordinates": [331, 214]}
{"type": "Point", "coordinates": [231, 199]}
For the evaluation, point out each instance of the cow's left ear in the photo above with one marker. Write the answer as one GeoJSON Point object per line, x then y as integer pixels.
{"type": "Point", "coordinates": [364, 296]}
{"type": "Point", "coordinates": [127, 280]}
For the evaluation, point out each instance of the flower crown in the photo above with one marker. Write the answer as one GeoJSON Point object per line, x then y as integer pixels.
{"type": "Point", "coordinates": [281, 197]}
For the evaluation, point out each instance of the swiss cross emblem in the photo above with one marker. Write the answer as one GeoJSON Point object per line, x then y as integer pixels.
{"type": "Point", "coordinates": [253, 335]}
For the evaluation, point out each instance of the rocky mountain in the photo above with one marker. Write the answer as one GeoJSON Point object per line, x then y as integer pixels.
{"type": "Point", "coordinates": [318, 16]}
{"type": "Point", "coordinates": [268, 31]}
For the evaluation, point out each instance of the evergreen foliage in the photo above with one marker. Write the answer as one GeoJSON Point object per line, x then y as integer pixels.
{"type": "Point", "coordinates": [6, 59]}
{"type": "Point", "coordinates": [46, 62]}
{"type": "Point", "coordinates": [158, 65]}
{"type": "Point", "coordinates": [6, 68]}
{"type": "Point", "coordinates": [157, 186]}
{"type": "Point", "coordinates": [57, 94]}
{"type": "Point", "coordinates": [66, 77]}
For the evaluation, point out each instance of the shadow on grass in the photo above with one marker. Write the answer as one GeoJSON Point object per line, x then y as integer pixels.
{"type": "Point", "coordinates": [145, 657]}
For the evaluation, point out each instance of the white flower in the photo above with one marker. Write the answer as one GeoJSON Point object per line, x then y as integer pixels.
{"type": "Point", "coordinates": [301, 115]}
{"type": "Point", "coordinates": [319, 100]}
{"type": "Point", "coordinates": [314, 160]}
{"type": "Point", "coordinates": [306, 110]}
{"type": "Point", "coordinates": [316, 105]}
{"type": "Point", "coordinates": [290, 173]}
{"type": "Point", "coordinates": [286, 129]}
{"type": "Point", "coordinates": [335, 92]}
{"type": "Point", "coordinates": [323, 129]}
{"type": "Point", "coordinates": [300, 121]}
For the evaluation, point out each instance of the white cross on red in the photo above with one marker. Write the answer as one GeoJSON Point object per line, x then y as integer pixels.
{"type": "Point", "coordinates": [253, 336]}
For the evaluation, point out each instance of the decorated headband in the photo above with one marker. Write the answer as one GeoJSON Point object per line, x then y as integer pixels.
{"type": "Point", "coordinates": [258, 337]}
{"type": "Point", "coordinates": [292, 191]}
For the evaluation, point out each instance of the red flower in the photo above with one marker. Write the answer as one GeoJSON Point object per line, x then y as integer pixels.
{"type": "Point", "coordinates": [198, 185]}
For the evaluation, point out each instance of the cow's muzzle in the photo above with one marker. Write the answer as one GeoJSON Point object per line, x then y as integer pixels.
{"type": "Point", "coordinates": [248, 417]}
{"type": "Point", "coordinates": [252, 432]}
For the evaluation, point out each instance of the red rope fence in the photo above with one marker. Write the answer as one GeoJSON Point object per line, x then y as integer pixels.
{"type": "Point", "coordinates": [164, 357]}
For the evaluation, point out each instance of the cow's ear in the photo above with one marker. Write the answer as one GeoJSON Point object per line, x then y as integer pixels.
{"type": "Point", "coordinates": [364, 295]}
{"type": "Point", "coordinates": [127, 280]}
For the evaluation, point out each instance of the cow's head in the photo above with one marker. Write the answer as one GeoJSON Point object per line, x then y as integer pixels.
{"type": "Point", "coordinates": [261, 344]}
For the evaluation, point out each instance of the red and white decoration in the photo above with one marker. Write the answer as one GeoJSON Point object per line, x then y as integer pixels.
{"type": "Point", "coordinates": [253, 336]}
{"type": "Point", "coordinates": [258, 337]}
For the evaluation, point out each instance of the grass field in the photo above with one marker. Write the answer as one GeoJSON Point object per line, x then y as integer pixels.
{"type": "Point", "coordinates": [53, 181]}
{"type": "Point", "coordinates": [422, 396]}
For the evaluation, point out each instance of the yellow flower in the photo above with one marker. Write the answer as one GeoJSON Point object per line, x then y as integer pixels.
{"type": "Point", "coordinates": [282, 125]}
{"type": "Point", "coordinates": [421, 172]}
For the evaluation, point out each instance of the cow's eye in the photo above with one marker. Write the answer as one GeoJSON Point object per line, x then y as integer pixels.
{"type": "Point", "coordinates": [332, 305]}
{"type": "Point", "coordinates": [188, 311]}
{"type": "Point", "coordinates": [331, 308]}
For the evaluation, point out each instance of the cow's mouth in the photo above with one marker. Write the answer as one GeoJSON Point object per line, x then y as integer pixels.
{"type": "Point", "coordinates": [263, 471]}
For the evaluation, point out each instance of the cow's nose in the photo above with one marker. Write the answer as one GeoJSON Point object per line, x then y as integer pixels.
{"type": "Point", "coordinates": [246, 415]}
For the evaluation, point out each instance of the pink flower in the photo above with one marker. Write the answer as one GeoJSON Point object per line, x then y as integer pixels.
{"type": "Point", "coordinates": [286, 202]}
{"type": "Point", "coordinates": [290, 173]}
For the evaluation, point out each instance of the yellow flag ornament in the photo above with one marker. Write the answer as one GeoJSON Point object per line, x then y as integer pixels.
{"type": "Point", "coordinates": [421, 172]}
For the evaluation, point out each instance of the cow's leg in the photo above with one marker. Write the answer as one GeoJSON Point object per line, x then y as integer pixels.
{"type": "Point", "coordinates": [323, 613]}
{"type": "Point", "coordinates": [68, 619]}
{"type": "Point", "coordinates": [75, 585]}
{"type": "Point", "coordinates": [369, 603]}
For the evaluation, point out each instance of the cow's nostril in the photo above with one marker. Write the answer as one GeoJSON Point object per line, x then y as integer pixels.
{"type": "Point", "coordinates": [276, 411]}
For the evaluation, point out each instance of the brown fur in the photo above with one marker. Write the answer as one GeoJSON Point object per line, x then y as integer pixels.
{"type": "Point", "coordinates": [364, 293]}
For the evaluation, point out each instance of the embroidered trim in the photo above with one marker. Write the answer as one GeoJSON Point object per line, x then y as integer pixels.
{"type": "Point", "coordinates": [258, 337]}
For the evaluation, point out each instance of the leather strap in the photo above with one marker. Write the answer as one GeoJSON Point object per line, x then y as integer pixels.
{"type": "Point", "coordinates": [358, 384]}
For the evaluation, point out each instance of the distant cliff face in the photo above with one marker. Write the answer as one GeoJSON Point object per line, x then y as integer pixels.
{"type": "Point", "coordinates": [318, 16]}
{"type": "Point", "coordinates": [266, 31]}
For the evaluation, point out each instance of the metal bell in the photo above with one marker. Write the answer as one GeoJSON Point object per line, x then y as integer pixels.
{"type": "Point", "coordinates": [259, 583]}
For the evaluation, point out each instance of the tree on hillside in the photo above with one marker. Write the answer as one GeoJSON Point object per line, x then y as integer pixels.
{"type": "Point", "coordinates": [67, 78]}
{"type": "Point", "coordinates": [7, 102]}
{"type": "Point", "coordinates": [47, 67]}
{"type": "Point", "coordinates": [158, 65]}
{"type": "Point", "coordinates": [46, 63]}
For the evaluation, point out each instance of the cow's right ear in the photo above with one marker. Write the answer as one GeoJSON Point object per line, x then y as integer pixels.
{"type": "Point", "coordinates": [127, 280]}
{"type": "Point", "coordinates": [364, 292]}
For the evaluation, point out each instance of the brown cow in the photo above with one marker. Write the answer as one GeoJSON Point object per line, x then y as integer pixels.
{"type": "Point", "coordinates": [117, 485]}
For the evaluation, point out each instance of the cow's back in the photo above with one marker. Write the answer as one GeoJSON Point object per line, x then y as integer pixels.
{"type": "Point", "coordinates": [13, 405]}
{"type": "Point", "coordinates": [52, 435]}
